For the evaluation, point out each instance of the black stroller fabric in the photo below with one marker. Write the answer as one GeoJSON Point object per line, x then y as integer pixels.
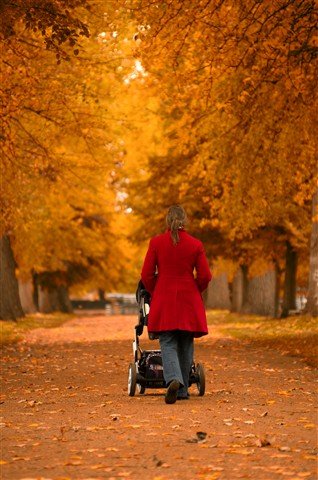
{"type": "Point", "coordinates": [141, 292]}
{"type": "Point", "coordinates": [154, 366]}
{"type": "Point", "coordinates": [143, 298]}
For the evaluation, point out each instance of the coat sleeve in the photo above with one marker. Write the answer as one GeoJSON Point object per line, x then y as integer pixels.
{"type": "Point", "coordinates": [148, 272]}
{"type": "Point", "coordinates": [203, 271]}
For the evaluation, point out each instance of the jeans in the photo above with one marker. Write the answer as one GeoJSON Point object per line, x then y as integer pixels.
{"type": "Point", "coordinates": [177, 357]}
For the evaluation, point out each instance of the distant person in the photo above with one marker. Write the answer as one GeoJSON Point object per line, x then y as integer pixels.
{"type": "Point", "coordinates": [177, 313]}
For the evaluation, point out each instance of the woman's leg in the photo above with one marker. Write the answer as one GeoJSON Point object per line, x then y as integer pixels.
{"type": "Point", "coordinates": [170, 360]}
{"type": "Point", "coordinates": [185, 354]}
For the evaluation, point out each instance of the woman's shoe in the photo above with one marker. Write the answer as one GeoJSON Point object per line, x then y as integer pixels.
{"type": "Point", "coordinates": [172, 392]}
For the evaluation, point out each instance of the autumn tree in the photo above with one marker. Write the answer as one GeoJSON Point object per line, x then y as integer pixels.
{"type": "Point", "coordinates": [211, 104]}
{"type": "Point", "coordinates": [60, 151]}
{"type": "Point", "coordinates": [312, 304]}
{"type": "Point", "coordinates": [238, 98]}
{"type": "Point", "coordinates": [56, 25]}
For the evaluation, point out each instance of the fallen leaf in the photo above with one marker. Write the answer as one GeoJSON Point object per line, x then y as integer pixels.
{"type": "Point", "coordinates": [200, 438]}
{"type": "Point", "coordinates": [240, 451]}
{"type": "Point", "coordinates": [101, 466]}
{"type": "Point", "coordinates": [73, 463]}
{"type": "Point", "coordinates": [285, 393]}
{"type": "Point", "coordinates": [280, 455]}
{"type": "Point", "coordinates": [262, 442]}
{"type": "Point", "coordinates": [284, 449]}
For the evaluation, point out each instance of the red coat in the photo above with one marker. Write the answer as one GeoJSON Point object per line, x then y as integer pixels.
{"type": "Point", "coordinates": [176, 302]}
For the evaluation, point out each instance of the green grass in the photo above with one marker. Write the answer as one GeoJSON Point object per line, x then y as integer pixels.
{"type": "Point", "coordinates": [12, 331]}
{"type": "Point", "coordinates": [296, 335]}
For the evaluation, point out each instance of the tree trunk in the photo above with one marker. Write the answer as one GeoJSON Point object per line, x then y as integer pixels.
{"type": "Point", "coordinates": [245, 305]}
{"type": "Point", "coordinates": [277, 291]}
{"type": "Point", "coordinates": [262, 294]}
{"type": "Point", "coordinates": [240, 289]}
{"type": "Point", "coordinates": [54, 299]}
{"type": "Point", "coordinates": [237, 290]}
{"type": "Point", "coordinates": [35, 290]}
{"type": "Point", "coordinates": [64, 299]}
{"type": "Point", "coordinates": [101, 294]}
{"type": "Point", "coordinates": [312, 299]}
{"type": "Point", "coordinates": [289, 302]}
{"type": "Point", "coordinates": [218, 293]}
{"type": "Point", "coordinates": [205, 298]}
{"type": "Point", "coordinates": [47, 300]}
{"type": "Point", "coordinates": [10, 305]}
{"type": "Point", "coordinates": [26, 296]}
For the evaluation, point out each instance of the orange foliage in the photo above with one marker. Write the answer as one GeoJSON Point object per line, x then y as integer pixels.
{"type": "Point", "coordinates": [238, 90]}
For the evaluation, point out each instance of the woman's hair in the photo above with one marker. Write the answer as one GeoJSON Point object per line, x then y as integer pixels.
{"type": "Point", "coordinates": [176, 219]}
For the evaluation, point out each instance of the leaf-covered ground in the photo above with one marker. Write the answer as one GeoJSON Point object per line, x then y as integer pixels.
{"type": "Point", "coordinates": [67, 415]}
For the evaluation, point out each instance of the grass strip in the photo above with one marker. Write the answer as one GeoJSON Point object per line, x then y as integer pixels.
{"type": "Point", "coordinates": [12, 331]}
{"type": "Point", "coordinates": [296, 335]}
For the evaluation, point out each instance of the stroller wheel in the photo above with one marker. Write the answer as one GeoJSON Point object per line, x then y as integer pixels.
{"type": "Point", "coordinates": [201, 379]}
{"type": "Point", "coordinates": [141, 388]}
{"type": "Point", "coordinates": [132, 379]}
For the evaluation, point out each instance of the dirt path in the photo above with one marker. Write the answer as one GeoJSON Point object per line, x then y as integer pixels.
{"type": "Point", "coordinates": [66, 413]}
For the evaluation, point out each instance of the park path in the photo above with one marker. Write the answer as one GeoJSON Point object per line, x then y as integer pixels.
{"type": "Point", "coordinates": [66, 413]}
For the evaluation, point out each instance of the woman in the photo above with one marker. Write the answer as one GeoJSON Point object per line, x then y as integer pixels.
{"type": "Point", "coordinates": [177, 313]}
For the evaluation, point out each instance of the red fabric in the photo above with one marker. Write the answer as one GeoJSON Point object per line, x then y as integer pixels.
{"type": "Point", "coordinates": [176, 302]}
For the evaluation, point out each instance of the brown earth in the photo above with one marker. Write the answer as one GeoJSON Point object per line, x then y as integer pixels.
{"type": "Point", "coordinates": [67, 414]}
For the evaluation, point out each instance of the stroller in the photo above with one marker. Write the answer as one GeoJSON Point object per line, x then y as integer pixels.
{"type": "Point", "coordinates": [146, 370]}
